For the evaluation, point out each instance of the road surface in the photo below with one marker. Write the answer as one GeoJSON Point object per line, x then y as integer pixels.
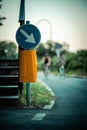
{"type": "Point", "coordinates": [68, 113]}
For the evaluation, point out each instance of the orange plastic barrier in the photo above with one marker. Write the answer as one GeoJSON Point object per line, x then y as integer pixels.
{"type": "Point", "coordinates": [27, 66]}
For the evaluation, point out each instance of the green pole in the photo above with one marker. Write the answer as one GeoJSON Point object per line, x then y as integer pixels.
{"type": "Point", "coordinates": [28, 93]}
{"type": "Point", "coordinates": [22, 22]}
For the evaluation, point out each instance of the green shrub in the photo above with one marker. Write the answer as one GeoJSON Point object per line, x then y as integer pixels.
{"type": "Point", "coordinates": [39, 95]}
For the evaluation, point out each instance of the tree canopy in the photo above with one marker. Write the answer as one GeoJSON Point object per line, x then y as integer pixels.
{"type": "Point", "coordinates": [48, 47]}
{"type": "Point", "coordinates": [8, 50]}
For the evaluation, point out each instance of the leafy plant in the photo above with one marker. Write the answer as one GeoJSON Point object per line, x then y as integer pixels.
{"type": "Point", "coordinates": [39, 95]}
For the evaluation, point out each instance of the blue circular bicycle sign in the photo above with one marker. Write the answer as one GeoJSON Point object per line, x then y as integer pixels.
{"type": "Point", "coordinates": [28, 36]}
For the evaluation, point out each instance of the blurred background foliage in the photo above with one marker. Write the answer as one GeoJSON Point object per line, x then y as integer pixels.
{"type": "Point", "coordinates": [76, 62]}
{"type": "Point", "coordinates": [8, 50]}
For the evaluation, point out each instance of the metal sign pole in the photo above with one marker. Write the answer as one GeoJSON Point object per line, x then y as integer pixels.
{"type": "Point", "coordinates": [28, 93]}
{"type": "Point", "coordinates": [28, 86]}
{"type": "Point", "coordinates": [22, 22]}
{"type": "Point", "coordinates": [28, 37]}
{"type": "Point", "coordinates": [22, 13]}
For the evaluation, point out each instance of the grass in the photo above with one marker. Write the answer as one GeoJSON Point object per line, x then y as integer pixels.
{"type": "Point", "coordinates": [39, 95]}
{"type": "Point", "coordinates": [77, 73]}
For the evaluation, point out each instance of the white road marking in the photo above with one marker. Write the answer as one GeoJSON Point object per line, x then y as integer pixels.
{"type": "Point", "coordinates": [50, 105]}
{"type": "Point", "coordinates": [39, 116]}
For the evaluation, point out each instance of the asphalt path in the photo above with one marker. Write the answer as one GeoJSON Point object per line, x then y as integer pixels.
{"type": "Point", "coordinates": [68, 113]}
{"type": "Point", "coordinates": [70, 108]}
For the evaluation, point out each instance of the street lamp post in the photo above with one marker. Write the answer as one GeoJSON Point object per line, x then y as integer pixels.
{"type": "Point", "coordinates": [50, 26]}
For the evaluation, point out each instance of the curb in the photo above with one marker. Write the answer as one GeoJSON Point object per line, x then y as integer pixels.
{"type": "Point", "coordinates": [52, 93]}
{"type": "Point", "coordinates": [48, 107]}
{"type": "Point", "coordinates": [77, 76]}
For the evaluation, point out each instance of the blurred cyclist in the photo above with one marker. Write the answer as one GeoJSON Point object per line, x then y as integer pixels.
{"type": "Point", "coordinates": [46, 63]}
{"type": "Point", "coordinates": [61, 63]}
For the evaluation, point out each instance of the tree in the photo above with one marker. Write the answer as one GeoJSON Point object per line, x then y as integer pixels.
{"type": "Point", "coordinates": [46, 48]}
{"type": "Point", "coordinates": [8, 50]}
{"type": "Point", "coordinates": [82, 57]}
{"type": "Point", "coordinates": [50, 48]}
{"type": "Point", "coordinates": [40, 50]}
{"type": "Point", "coordinates": [77, 61]}
{"type": "Point", "coordinates": [1, 18]}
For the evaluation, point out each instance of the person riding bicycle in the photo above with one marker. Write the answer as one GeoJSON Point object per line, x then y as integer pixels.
{"type": "Point", "coordinates": [46, 63]}
{"type": "Point", "coordinates": [61, 64]}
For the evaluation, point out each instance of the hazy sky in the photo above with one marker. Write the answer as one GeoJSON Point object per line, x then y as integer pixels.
{"type": "Point", "coordinates": [67, 20]}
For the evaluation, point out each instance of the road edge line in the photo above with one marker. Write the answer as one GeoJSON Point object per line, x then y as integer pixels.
{"type": "Point", "coordinates": [50, 90]}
